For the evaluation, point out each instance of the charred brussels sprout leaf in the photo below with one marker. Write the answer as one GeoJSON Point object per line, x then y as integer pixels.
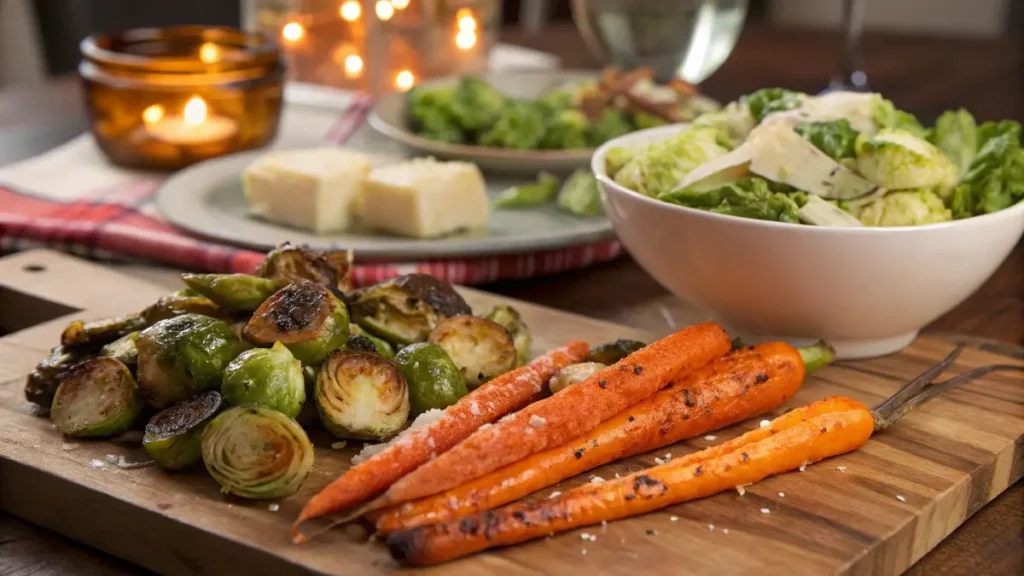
{"type": "Point", "coordinates": [480, 348]}
{"type": "Point", "coordinates": [361, 395]}
{"type": "Point", "coordinates": [573, 374]}
{"type": "Point", "coordinates": [269, 377]}
{"type": "Point", "coordinates": [182, 356]}
{"type": "Point", "coordinates": [305, 317]}
{"type": "Point", "coordinates": [404, 310]}
{"type": "Point", "coordinates": [292, 264]}
{"type": "Point", "coordinates": [123, 349]}
{"type": "Point", "coordinates": [612, 352]}
{"type": "Point", "coordinates": [99, 332]}
{"type": "Point", "coordinates": [43, 381]}
{"type": "Point", "coordinates": [173, 306]}
{"type": "Point", "coordinates": [235, 292]}
{"type": "Point", "coordinates": [174, 436]}
{"type": "Point", "coordinates": [360, 343]}
{"type": "Point", "coordinates": [384, 348]}
{"type": "Point", "coordinates": [255, 452]}
{"type": "Point", "coordinates": [434, 380]}
{"type": "Point", "coordinates": [511, 321]}
{"type": "Point", "coordinates": [96, 398]}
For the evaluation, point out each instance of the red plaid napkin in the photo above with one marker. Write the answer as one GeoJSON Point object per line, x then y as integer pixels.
{"type": "Point", "coordinates": [121, 223]}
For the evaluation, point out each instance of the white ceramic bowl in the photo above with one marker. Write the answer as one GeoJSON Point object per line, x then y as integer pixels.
{"type": "Point", "coordinates": [867, 291]}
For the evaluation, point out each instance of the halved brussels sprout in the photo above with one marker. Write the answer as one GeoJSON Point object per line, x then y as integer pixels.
{"type": "Point", "coordinates": [611, 352]}
{"type": "Point", "coordinates": [573, 374]}
{"type": "Point", "coordinates": [173, 306]}
{"type": "Point", "coordinates": [434, 380]}
{"type": "Point", "coordinates": [269, 377]}
{"type": "Point", "coordinates": [182, 356]}
{"type": "Point", "coordinates": [510, 320]}
{"type": "Point", "coordinates": [305, 317]}
{"type": "Point", "coordinates": [384, 348]}
{"type": "Point", "coordinates": [123, 349]}
{"type": "Point", "coordinates": [97, 398]}
{"type": "Point", "coordinates": [361, 395]}
{"type": "Point", "coordinates": [43, 381]}
{"type": "Point", "coordinates": [235, 292]}
{"type": "Point", "coordinates": [481, 349]}
{"type": "Point", "coordinates": [99, 332]}
{"type": "Point", "coordinates": [405, 309]}
{"type": "Point", "coordinates": [174, 436]}
{"type": "Point", "coordinates": [255, 452]}
{"type": "Point", "coordinates": [293, 264]}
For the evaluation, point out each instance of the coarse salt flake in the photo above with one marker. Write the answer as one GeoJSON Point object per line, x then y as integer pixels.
{"type": "Point", "coordinates": [97, 463]}
{"type": "Point", "coordinates": [584, 536]}
{"type": "Point", "coordinates": [803, 466]}
{"type": "Point", "coordinates": [453, 502]}
{"type": "Point", "coordinates": [765, 423]}
{"type": "Point", "coordinates": [668, 455]}
{"type": "Point", "coordinates": [596, 480]}
{"type": "Point", "coordinates": [711, 437]}
{"type": "Point", "coordinates": [782, 494]}
{"type": "Point", "coordinates": [583, 551]}
{"type": "Point", "coordinates": [604, 523]}
{"type": "Point", "coordinates": [711, 527]}
{"type": "Point", "coordinates": [554, 494]}
{"type": "Point", "coordinates": [841, 468]}
{"type": "Point", "coordinates": [765, 511]}
{"type": "Point", "coordinates": [725, 530]}
{"type": "Point", "coordinates": [273, 507]}
{"type": "Point", "coordinates": [537, 421]}
{"type": "Point", "coordinates": [474, 408]}
{"type": "Point", "coordinates": [901, 498]}
{"type": "Point", "coordinates": [430, 441]}
{"type": "Point", "coordinates": [659, 461]}
{"type": "Point", "coordinates": [740, 488]}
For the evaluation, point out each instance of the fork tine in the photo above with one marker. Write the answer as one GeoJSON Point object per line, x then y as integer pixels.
{"type": "Point", "coordinates": [917, 384]}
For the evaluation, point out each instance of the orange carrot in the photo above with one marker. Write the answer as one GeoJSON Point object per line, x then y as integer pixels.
{"type": "Point", "coordinates": [482, 406]}
{"type": "Point", "coordinates": [737, 386]}
{"type": "Point", "coordinates": [825, 428]}
{"type": "Point", "coordinates": [568, 414]}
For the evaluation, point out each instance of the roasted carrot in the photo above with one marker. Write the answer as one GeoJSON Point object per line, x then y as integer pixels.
{"type": "Point", "coordinates": [825, 428]}
{"type": "Point", "coordinates": [568, 414]}
{"type": "Point", "coordinates": [737, 386]}
{"type": "Point", "coordinates": [484, 405]}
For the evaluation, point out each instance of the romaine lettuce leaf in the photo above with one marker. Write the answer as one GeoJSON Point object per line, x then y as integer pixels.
{"type": "Point", "coordinates": [749, 198]}
{"type": "Point", "coordinates": [768, 100]}
{"type": "Point", "coordinates": [888, 116]}
{"type": "Point", "coordinates": [956, 134]}
{"type": "Point", "coordinates": [995, 179]}
{"type": "Point", "coordinates": [834, 137]}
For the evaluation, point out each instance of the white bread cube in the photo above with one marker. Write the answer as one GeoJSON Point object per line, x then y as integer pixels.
{"type": "Point", "coordinates": [314, 189]}
{"type": "Point", "coordinates": [424, 198]}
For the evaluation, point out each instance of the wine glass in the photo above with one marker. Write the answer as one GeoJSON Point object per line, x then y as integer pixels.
{"type": "Point", "coordinates": [688, 39]}
{"type": "Point", "coordinates": [852, 76]}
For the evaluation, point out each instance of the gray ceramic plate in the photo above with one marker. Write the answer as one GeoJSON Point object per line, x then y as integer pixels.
{"type": "Point", "coordinates": [388, 118]}
{"type": "Point", "coordinates": [207, 199]}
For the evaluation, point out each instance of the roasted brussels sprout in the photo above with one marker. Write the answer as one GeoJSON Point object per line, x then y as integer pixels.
{"type": "Point", "coordinates": [174, 436]}
{"type": "Point", "coordinates": [43, 381]}
{"type": "Point", "coordinates": [235, 292]}
{"type": "Point", "coordinates": [306, 317]}
{"type": "Point", "coordinates": [510, 320]}
{"type": "Point", "coordinates": [123, 349]}
{"type": "Point", "coordinates": [573, 374]}
{"type": "Point", "coordinates": [255, 452]}
{"type": "Point", "coordinates": [612, 352]}
{"type": "Point", "coordinates": [480, 348]}
{"type": "Point", "coordinates": [434, 380]}
{"type": "Point", "coordinates": [269, 377]}
{"type": "Point", "coordinates": [404, 310]}
{"type": "Point", "coordinates": [361, 395]}
{"type": "Point", "coordinates": [182, 356]}
{"type": "Point", "coordinates": [99, 332]}
{"type": "Point", "coordinates": [185, 292]}
{"type": "Point", "coordinates": [383, 347]}
{"type": "Point", "coordinates": [96, 398]}
{"type": "Point", "coordinates": [292, 264]}
{"type": "Point", "coordinates": [172, 306]}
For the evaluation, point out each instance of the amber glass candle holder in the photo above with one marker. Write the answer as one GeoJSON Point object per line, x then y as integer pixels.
{"type": "Point", "coordinates": [166, 98]}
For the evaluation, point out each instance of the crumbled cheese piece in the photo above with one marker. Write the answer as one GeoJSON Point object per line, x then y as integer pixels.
{"type": "Point", "coordinates": [339, 445]}
{"type": "Point", "coordinates": [841, 468]}
{"type": "Point", "coordinates": [711, 527]}
{"type": "Point", "coordinates": [97, 463]}
{"type": "Point", "coordinates": [474, 408]}
{"type": "Point", "coordinates": [765, 423]}
{"type": "Point", "coordinates": [273, 507]}
{"type": "Point", "coordinates": [537, 421]}
{"type": "Point", "coordinates": [782, 494]}
{"type": "Point", "coordinates": [901, 498]}
{"type": "Point", "coordinates": [554, 494]}
{"type": "Point", "coordinates": [740, 488]}
{"type": "Point", "coordinates": [711, 437]}
{"type": "Point", "coordinates": [765, 511]}
{"type": "Point", "coordinates": [659, 461]}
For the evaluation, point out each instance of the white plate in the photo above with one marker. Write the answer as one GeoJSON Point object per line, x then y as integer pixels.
{"type": "Point", "coordinates": [207, 199]}
{"type": "Point", "coordinates": [389, 118]}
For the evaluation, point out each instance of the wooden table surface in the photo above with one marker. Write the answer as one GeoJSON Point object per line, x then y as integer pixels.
{"type": "Point", "coordinates": [923, 75]}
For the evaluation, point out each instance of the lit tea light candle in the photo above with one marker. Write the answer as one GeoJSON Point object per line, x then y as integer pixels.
{"type": "Point", "coordinates": [404, 80]}
{"type": "Point", "coordinates": [465, 20]}
{"type": "Point", "coordinates": [353, 65]}
{"type": "Point", "coordinates": [209, 53]}
{"type": "Point", "coordinates": [293, 32]}
{"type": "Point", "coordinates": [465, 39]}
{"type": "Point", "coordinates": [385, 10]}
{"type": "Point", "coordinates": [195, 126]}
{"type": "Point", "coordinates": [400, 4]}
{"type": "Point", "coordinates": [350, 10]}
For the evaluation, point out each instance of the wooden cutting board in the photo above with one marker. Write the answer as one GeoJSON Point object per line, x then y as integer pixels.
{"type": "Point", "coordinates": [875, 511]}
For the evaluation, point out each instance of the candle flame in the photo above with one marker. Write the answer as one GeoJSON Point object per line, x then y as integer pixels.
{"type": "Point", "coordinates": [405, 80]}
{"type": "Point", "coordinates": [465, 39]}
{"type": "Point", "coordinates": [195, 111]}
{"type": "Point", "coordinates": [400, 4]}
{"type": "Point", "coordinates": [209, 53]}
{"type": "Point", "coordinates": [351, 10]}
{"type": "Point", "coordinates": [153, 114]}
{"type": "Point", "coordinates": [465, 20]}
{"type": "Point", "coordinates": [385, 10]}
{"type": "Point", "coordinates": [353, 65]}
{"type": "Point", "coordinates": [293, 32]}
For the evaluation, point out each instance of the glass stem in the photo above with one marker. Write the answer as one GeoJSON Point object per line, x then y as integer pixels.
{"type": "Point", "coordinates": [853, 64]}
